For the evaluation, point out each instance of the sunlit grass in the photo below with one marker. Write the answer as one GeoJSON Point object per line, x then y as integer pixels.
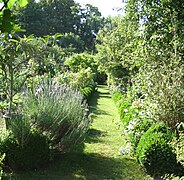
{"type": "Point", "coordinates": [97, 158]}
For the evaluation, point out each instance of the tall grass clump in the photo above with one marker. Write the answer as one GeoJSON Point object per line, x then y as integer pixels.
{"type": "Point", "coordinates": [58, 111]}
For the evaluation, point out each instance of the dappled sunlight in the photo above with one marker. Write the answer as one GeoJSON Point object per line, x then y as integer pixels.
{"type": "Point", "coordinates": [97, 157]}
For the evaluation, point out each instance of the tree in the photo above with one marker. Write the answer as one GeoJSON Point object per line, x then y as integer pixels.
{"type": "Point", "coordinates": [47, 17]}
{"type": "Point", "coordinates": [91, 21]}
{"type": "Point", "coordinates": [61, 16]}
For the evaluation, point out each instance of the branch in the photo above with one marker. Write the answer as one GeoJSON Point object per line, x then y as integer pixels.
{"type": "Point", "coordinates": [5, 4]}
{"type": "Point", "coordinates": [19, 88]}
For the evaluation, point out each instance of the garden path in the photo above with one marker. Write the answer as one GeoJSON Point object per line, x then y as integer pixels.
{"type": "Point", "coordinates": [97, 158]}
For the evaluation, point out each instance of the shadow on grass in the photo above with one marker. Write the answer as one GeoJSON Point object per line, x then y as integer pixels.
{"type": "Point", "coordinates": [93, 103]}
{"type": "Point", "coordinates": [93, 136]}
{"type": "Point", "coordinates": [82, 166]}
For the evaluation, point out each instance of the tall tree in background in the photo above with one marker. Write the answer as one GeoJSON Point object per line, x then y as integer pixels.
{"type": "Point", "coordinates": [91, 21]}
{"type": "Point", "coordinates": [48, 17]}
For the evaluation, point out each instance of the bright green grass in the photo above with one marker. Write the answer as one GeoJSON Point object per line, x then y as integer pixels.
{"type": "Point", "coordinates": [99, 159]}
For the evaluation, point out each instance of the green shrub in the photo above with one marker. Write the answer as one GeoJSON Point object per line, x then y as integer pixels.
{"type": "Point", "coordinates": [81, 61]}
{"type": "Point", "coordinates": [1, 164]}
{"type": "Point", "coordinates": [87, 91]}
{"type": "Point", "coordinates": [58, 111]}
{"type": "Point", "coordinates": [117, 97]}
{"type": "Point", "coordinates": [162, 86]}
{"type": "Point", "coordinates": [126, 110]}
{"type": "Point", "coordinates": [135, 129]}
{"type": "Point", "coordinates": [82, 81]}
{"type": "Point", "coordinates": [134, 124]}
{"type": "Point", "coordinates": [30, 156]}
{"type": "Point", "coordinates": [155, 153]}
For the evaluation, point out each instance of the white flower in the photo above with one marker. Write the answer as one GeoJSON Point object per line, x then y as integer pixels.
{"type": "Point", "coordinates": [125, 110]}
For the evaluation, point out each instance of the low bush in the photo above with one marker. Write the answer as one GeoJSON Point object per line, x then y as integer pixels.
{"type": "Point", "coordinates": [82, 81]}
{"type": "Point", "coordinates": [117, 97]}
{"type": "Point", "coordinates": [155, 153]}
{"type": "Point", "coordinates": [1, 164]}
{"type": "Point", "coordinates": [30, 156]}
{"type": "Point", "coordinates": [57, 111]}
{"type": "Point", "coordinates": [126, 109]}
{"type": "Point", "coordinates": [88, 91]}
{"type": "Point", "coordinates": [135, 129]}
{"type": "Point", "coordinates": [130, 114]}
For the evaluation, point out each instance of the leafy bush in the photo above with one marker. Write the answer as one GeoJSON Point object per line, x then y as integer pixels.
{"type": "Point", "coordinates": [30, 156]}
{"type": "Point", "coordinates": [57, 111]}
{"type": "Point", "coordinates": [163, 90]}
{"type": "Point", "coordinates": [126, 109]}
{"type": "Point", "coordinates": [82, 81]}
{"type": "Point", "coordinates": [87, 91]}
{"type": "Point", "coordinates": [135, 129]}
{"type": "Point", "coordinates": [117, 97]}
{"type": "Point", "coordinates": [1, 164]}
{"type": "Point", "coordinates": [81, 61]}
{"type": "Point", "coordinates": [155, 153]}
{"type": "Point", "coordinates": [134, 125]}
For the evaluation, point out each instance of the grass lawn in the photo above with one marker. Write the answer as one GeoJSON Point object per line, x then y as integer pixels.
{"type": "Point", "coordinates": [97, 158]}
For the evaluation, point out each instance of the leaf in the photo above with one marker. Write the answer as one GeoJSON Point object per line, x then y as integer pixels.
{"type": "Point", "coordinates": [11, 3]}
{"type": "Point", "coordinates": [23, 3]}
{"type": "Point", "coordinates": [7, 23]}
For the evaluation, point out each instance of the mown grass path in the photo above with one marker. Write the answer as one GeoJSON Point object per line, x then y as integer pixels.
{"type": "Point", "coordinates": [99, 159]}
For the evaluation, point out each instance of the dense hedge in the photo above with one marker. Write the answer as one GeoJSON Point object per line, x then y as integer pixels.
{"type": "Point", "coordinates": [155, 153]}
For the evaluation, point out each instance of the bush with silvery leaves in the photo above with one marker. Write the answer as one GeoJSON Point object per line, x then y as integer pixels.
{"type": "Point", "coordinates": [58, 111]}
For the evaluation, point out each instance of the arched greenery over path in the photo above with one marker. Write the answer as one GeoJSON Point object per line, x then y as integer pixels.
{"type": "Point", "coordinates": [99, 159]}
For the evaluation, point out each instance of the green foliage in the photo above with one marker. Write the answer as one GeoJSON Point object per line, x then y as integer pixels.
{"type": "Point", "coordinates": [125, 109]}
{"type": "Point", "coordinates": [135, 125]}
{"type": "Point", "coordinates": [83, 78]}
{"type": "Point", "coordinates": [62, 16]}
{"type": "Point", "coordinates": [31, 155]}
{"type": "Point", "coordinates": [1, 164]}
{"type": "Point", "coordinates": [91, 21]}
{"type": "Point", "coordinates": [82, 81]}
{"type": "Point", "coordinates": [116, 52]}
{"type": "Point", "coordinates": [117, 96]}
{"type": "Point", "coordinates": [6, 16]}
{"type": "Point", "coordinates": [52, 16]}
{"type": "Point", "coordinates": [136, 129]}
{"type": "Point", "coordinates": [81, 61]}
{"type": "Point", "coordinates": [154, 152]}
{"type": "Point", "coordinates": [88, 91]}
{"type": "Point", "coordinates": [82, 74]}
{"type": "Point", "coordinates": [57, 111]}
{"type": "Point", "coordinates": [71, 40]}
{"type": "Point", "coordinates": [163, 92]}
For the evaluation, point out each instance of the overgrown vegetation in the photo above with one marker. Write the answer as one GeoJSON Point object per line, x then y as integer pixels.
{"type": "Point", "coordinates": [143, 58]}
{"type": "Point", "coordinates": [139, 56]}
